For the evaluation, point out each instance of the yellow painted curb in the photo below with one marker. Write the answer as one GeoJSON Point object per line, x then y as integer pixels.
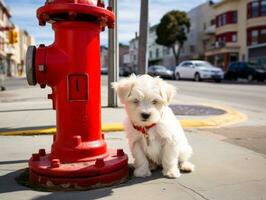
{"type": "Point", "coordinates": [230, 117]}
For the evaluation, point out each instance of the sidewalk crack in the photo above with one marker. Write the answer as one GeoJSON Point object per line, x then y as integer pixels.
{"type": "Point", "coordinates": [194, 191]}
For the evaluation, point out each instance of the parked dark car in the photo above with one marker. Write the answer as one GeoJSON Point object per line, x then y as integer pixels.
{"type": "Point", "coordinates": [104, 70]}
{"type": "Point", "coordinates": [159, 70]}
{"type": "Point", "coordinates": [125, 71]}
{"type": "Point", "coordinates": [246, 70]}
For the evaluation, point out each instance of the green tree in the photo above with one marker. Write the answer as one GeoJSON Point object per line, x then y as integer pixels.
{"type": "Point", "coordinates": [172, 30]}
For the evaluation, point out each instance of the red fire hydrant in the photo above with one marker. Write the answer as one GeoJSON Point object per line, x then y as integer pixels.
{"type": "Point", "coordinates": [79, 156]}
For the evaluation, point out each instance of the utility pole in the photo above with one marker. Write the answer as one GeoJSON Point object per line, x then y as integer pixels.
{"type": "Point", "coordinates": [113, 58]}
{"type": "Point", "coordinates": [143, 37]}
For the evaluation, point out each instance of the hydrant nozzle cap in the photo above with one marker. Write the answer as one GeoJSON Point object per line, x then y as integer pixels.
{"type": "Point", "coordinates": [30, 65]}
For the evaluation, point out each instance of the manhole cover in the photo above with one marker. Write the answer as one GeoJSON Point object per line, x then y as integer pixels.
{"type": "Point", "coordinates": [195, 110]}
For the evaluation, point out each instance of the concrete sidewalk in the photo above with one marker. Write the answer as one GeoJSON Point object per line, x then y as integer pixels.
{"type": "Point", "coordinates": [223, 171]}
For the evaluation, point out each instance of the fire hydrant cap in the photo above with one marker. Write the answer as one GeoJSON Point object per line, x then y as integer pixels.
{"type": "Point", "coordinates": [91, 2]}
{"type": "Point", "coordinates": [75, 10]}
{"type": "Point", "coordinates": [30, 65]}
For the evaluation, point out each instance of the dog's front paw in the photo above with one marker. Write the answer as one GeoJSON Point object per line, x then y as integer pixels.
{"type": "Point", "coordinates": [142, 172]}
{"type": "Point", "coordinates": [172, 173]}
{"type": "Point", "coordinates": [187, 167]}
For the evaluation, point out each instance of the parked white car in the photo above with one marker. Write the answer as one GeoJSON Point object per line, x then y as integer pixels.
{"type": "Point", "coordinates": [198, 70]}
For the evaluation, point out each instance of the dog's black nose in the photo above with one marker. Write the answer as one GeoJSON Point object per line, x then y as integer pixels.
{"type": "Point", "coordinates": [145, 115]}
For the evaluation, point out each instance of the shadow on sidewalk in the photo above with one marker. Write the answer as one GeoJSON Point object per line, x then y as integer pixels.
{"type": "Point", "coordinates": [12, 162]}
{"type": "Point", "coordinates": [9, 184]}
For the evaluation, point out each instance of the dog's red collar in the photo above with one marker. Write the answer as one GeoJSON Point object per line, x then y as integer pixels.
{"type": "Point", "coordinates": [143, 129]}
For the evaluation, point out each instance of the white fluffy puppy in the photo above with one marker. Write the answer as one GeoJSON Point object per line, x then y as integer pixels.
{"type": "Point", "coordinates": [155, 136]}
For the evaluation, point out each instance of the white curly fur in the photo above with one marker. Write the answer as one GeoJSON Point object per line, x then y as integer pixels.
{"type": "Point", "coordinates": [167, 144]}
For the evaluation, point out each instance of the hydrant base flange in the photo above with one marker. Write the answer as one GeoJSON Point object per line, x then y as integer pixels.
{"type": "Point", "coordinates": [51, 174]}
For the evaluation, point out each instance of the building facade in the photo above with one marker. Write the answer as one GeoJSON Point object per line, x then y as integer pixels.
{"type": "Point", "coordinates": [104, 57]}
{"type": "Point", "coordinates": [202, 32]}
{"type": "Point", "coordinates": [5, 49]}
{"type": "Point", "coordinates": [133, 53]}
{"type": "Point", "coordinates": [123, 51]}
{"type": "Point", "coordinates": [158, 54]}
{"type": "Point", "coordinates": [12, 56]}
{"type": "Point", "coordinates": [240, 32]}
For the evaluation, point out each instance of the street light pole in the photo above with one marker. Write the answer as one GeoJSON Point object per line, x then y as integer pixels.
{"type": "Point", "coordinates": [143, 37]}
{"type": "Point", "coordinates": [113, 58]}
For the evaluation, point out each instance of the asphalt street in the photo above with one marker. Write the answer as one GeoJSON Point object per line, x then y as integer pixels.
{"type": "Point", "coordinates": [248, 98]}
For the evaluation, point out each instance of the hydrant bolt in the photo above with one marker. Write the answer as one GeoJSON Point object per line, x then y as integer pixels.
{"type": "Point", "coordinates": [42, 86]}
{"type": "Point", "coordinates": [42, 23]}
{"type": "Point", "coordinates": [42, 152]}
{"type": "Point", "coordinates": [120, 152]}
{"type": "Point", "coordinates": [42, 68]}
{"type": "Point", "coordinates": [55, 163]}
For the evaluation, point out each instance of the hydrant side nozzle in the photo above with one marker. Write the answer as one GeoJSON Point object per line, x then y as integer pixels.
{"type": "Point", "coordinates": [30, 65]}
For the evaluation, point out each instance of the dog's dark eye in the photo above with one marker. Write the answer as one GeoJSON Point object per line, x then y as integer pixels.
{"type": "Point", "coordinates": [154, 101]}
{"type": "Point", "coordinates": [136, 101]}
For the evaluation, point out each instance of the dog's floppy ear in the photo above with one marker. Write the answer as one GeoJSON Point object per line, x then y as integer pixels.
{"type": "Point", "coordinates": [124, 87]}
{"type": "Point", "coordinates": [167, 91]}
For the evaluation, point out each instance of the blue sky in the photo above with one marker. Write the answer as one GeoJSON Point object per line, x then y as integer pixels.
{"type": "Point", "coordinates": [23, 14]}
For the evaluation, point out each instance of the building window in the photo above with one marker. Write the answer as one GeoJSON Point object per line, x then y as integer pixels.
{"type": "Point", "coordinates": [229, 17]}
{"type": "Point", "coordinates": [234, 17]}
{"type": "Point", "coordinates": [227, 37]}
{"type": "Point", "coordinates": [223, 19]}
{"type": "Point", "coordinates": [150, 54]}
{"type": "Point", "coordinates": [256, 8]}
{"type": "Point", "coordinates": [254, 36]}
{"type": "Point", "coordinates": [263, 8]}
{"type": "Point", "coordinates": [157, 53]}
{"type": "Point", "coordinates": [192, 48]}
{"type": "Point", "coordinates": [262, 38]}
{"type": "Point", "coordinates": [234, 37]}
{"type": "Point", "coordinates": [212, 22]}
